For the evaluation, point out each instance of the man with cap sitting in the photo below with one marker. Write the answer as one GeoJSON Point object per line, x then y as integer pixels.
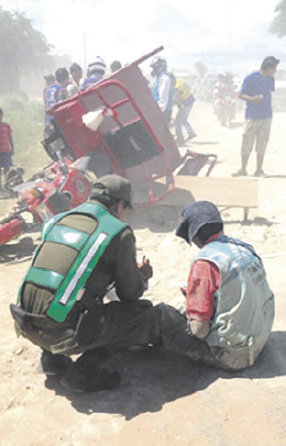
{"type": "Point", "coordinates": [229, 305]}
{"type": "Point", "coordinates": [83, 253]}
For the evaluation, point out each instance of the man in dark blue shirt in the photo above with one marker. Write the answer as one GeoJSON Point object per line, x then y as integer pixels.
{"type": "Point", "coordinates": [256, 91]}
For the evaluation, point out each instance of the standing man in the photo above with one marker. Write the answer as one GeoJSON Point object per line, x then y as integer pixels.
{"type": "Point", "coordinates": [229, 305]}
{"type": "Point", "coordinates": [74, 84]}
{"type": "Point", "coordinates": [84, 252]}
{"type": "Point", "coordinates": [50, 79]}
{"type": "Point", "coordinates": [162, 87]}
{"type": "Point", "coordinates": [184, 99]}
{"type": "Point", "coordinates": [95, 72]}
{"type": "Point", "coordinates": [256, 91]}
{"type": "Point", "coordinates": [6, 147]}
{"type": "Point", "coordinates": [115, 65]}
{"type": "Point", "coordinates": [57, 90]}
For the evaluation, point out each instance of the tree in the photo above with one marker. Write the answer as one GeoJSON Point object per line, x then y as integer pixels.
{"type": "Point", "coordinates": [278, 25]}
{"type": "Point", "coordinates": [201, 68]}
{"type": "Point", "coordinates": [22, 48]}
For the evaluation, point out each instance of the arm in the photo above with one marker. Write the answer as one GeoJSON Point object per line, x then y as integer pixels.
{"type": "Point", "coordinates": [200, 329]}
{"type": "Point", "coordinates": [11, 143]}
{"type": "Point", "coordinates": [204, 281]}
{"type": "Point", "coordinates": [246, 97]}
{"type": "Point", "coordinates": [129, 280]}
{"type": "Point", "coordinates": [164, 91]}
{"type": "Point", "coordinates": [248, 91]}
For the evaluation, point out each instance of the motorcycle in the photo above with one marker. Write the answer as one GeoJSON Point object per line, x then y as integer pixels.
{"type": "Point", "coordinates": [58, 187]}
{"type": "Point", "coordinates": [225, 109]}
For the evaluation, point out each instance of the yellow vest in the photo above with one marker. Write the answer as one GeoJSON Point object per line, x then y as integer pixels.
{"type": "Point", "coordinates": [183, 88]}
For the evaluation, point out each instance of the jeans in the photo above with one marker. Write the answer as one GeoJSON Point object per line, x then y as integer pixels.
{"type": "Point", "coordinates": [181, 120]}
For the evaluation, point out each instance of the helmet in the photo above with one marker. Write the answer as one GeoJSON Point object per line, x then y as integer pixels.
{"type": "Point", "coordinates": [113, 186]}
{"type": "Point", "coordinates": [195, 216]}
{"type": "Point", "coordinates": [158, 65]}
{"type": "Point", "coordinates": [98, 66]}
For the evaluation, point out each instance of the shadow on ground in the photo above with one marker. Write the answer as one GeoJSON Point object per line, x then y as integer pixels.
{"type": "Point", "coordinates": [165, 218]}
{"type": "Point", "coordinates": [152, 378]}
{"type": "Point", "coordinates": [17, 251]}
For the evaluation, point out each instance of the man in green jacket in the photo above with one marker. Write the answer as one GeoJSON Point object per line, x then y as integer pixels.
{"type": "Point", "coordinates": [84, 253]}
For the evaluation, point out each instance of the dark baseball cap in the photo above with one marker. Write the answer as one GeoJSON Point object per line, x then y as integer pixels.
{"type": "Point", "coordinates": [113, 186]}
{"type": "Point", "coordinates": [195, 216]}
{"type": "Point", "coordinates": [269, 62]}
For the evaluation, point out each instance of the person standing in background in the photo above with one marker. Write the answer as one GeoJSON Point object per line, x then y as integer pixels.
{"type": "Point", "coordinates": [6, 147]}
{"type": "Point", "coordinates": [256, 91]}
{"type": "Point", "coordinates": [184, 99]}
{"type": "Point", "coordinates": [162, 87]}
{"type": "Point", "coordinates": [76, 75]}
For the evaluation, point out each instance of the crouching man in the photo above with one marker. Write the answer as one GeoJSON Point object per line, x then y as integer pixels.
{"type": "Point", "coordinates": [60, 305]}
{"type": "Point", "coordinates": [229, 305]}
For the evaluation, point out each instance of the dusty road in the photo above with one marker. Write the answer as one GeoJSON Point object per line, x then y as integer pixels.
{"type": "Point", "coordinates": [163, 399]}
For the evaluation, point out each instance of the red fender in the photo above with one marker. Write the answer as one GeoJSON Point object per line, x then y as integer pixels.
{"type": "Point", "coordinates": [10, 230]}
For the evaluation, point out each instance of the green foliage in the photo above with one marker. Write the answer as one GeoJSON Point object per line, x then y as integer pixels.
{"type": "Point", "coordinates": [278, 25]}
{"type": "Point", "coordinates": [27, 121]}
{"type": "Point", "coordinates": [201, 68]}
{"type": "Point", "coordinates": [21, 48]}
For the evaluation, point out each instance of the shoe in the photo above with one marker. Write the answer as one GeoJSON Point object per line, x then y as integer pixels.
{"type": "Point", "coordinates": [240, 173]}
{"type": "Point", "coordinates": [179, 141]}
{"type": "Point", "coordinates": [191, 136]}
{"type": "Point", "coordinates": [260, 173]}
{"type": "Point", "coordinates": [75, 381]}
{"type": "Point", "coordinates": [54, 364]}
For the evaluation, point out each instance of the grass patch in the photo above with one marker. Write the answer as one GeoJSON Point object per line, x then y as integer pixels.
{"type": "Point", "coordinates": [27, 121]}
{"type": "Point", "coordinates": [26, 118]}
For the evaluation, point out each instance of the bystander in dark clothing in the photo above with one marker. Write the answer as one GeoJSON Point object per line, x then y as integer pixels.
{"type": "Point", "coordinates": [61, 307]}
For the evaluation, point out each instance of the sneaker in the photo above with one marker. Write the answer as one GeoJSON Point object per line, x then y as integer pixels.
{"type": "Point", "coordinates": [240, 173]}
{"type": "Point", "coordinates": [54, 364]}
{"type": "Point", "coordinates": [180, 141]}
{"type": "Point", "coordinates": [75, 381]}
{"type": "Point", "coordinates": [191, 136]}
{"type": "Point", "coordinates": [260, 173]}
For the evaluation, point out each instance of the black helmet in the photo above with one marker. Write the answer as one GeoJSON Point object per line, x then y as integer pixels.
{"type": "Point", "coordinates": [158, 65]}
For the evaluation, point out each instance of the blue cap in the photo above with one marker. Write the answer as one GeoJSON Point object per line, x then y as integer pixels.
{"type": "Point", "coordinates": [195, 216]}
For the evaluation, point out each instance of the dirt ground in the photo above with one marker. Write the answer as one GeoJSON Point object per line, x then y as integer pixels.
{"type": "Point", "coordinates": [163, 399]}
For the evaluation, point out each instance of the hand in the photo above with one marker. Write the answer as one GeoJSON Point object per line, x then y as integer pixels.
{"type": "Point", "coordinates": [145, 268]}
{"type": "Point", "coordinates": [257, 98]}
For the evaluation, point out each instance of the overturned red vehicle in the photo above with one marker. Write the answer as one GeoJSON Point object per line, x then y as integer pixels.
{"type": "Point", "coordinates": [114, 126]}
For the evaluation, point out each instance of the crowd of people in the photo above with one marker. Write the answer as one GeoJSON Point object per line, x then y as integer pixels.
{"type": "Point", "coordinates": [90, 249]}
{"type": "Point", "coordinates": [168, 91]}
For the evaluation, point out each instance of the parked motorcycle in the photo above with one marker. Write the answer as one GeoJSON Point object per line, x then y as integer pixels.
{"type": "Point", "coordinates": [60, 186]}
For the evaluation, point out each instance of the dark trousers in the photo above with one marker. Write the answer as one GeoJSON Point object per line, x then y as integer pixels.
{"type": "Point", "coordinates": [116, 325]}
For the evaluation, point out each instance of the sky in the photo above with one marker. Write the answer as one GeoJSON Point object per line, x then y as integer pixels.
{"type": "Point", "coordinates": [223, 34]}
